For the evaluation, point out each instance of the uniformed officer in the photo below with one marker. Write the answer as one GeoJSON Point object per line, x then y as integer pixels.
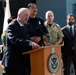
{"type": "Point", "coordinates": [36, 29]}
{"type": "Point", "coordinates": [55, 33]}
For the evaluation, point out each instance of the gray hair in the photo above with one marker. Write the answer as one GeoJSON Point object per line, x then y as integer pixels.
{"type": "Point", "coordinates": [21, 10]}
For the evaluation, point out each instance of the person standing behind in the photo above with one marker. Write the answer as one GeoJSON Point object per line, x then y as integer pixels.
{"type": "Point", "coordinates": [36, 29]}
{"type": "Point", "coordinates": [17, 42]}
{"type": "Point", "coordinates": [69, 48]}
{"type": "Point", "coordinates": [3, 36]}
{"type": "Point", "coordinates": [55, 33]}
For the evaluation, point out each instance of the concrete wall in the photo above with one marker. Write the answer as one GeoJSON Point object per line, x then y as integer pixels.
{"type": "Point", "coordinates": [57, 6]}
{"type": "Point", "coordinates": [15, 5]}
{"type": "Point", "coordinates": [69, 6]}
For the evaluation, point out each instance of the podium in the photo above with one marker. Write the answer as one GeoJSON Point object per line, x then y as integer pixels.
{"type": "Point", "coordinates": [46, 60]}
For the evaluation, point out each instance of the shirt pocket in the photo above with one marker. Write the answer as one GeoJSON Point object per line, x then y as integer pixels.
{"type": "Point", "coordinates": [55, 33]}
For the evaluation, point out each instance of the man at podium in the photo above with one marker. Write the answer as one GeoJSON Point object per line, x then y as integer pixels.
{"type": "Point", "coordinates": [17, 42]}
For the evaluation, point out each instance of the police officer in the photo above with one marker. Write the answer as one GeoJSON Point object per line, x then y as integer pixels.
{"type": "Point", "coordinates": [36, 29]}
{"type": "Point", "coordinates": [55, 33]}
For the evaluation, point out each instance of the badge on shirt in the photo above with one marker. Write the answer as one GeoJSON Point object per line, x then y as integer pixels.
{"type": "Point", "coordinates": [39, 23]}
{"type": "Point", "coordinates": [55, 28]}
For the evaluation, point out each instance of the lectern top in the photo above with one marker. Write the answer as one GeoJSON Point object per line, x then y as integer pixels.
{"type": "Point", "coordinates": [40, 49]}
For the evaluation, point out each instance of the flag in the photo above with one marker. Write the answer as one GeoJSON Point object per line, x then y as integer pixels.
{"type": "Point", "coordinates": [6, 16]}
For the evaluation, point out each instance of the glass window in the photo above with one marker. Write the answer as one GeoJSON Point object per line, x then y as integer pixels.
{"type": "Point", "coordinates": [74, 10]}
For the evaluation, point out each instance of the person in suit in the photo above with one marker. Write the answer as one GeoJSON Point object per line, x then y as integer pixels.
{"type": "Point", "coordinates": [36, 29]}
{"type": "Point", "coordinates": [17, 42]}
{"type": "Point", "coordinates": [69, 48]}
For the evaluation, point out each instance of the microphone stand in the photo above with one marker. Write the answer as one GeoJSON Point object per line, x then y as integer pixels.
{"type": "Point", "coordinates": [42, 40]}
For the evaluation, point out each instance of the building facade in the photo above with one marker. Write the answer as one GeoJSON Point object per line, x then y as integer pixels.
{"type": "Point", "coordinates": [60, 8]}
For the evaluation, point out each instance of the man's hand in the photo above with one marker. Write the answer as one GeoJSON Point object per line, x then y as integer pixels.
{"type": "Point", "coordinates": [34, 45]}
{"type": "Point", "coordinates": [35, 39]}
{"type": "Point", "coordinates": [44, 37]}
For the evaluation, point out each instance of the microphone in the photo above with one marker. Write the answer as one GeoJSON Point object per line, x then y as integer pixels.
{"type": "Point", "coordinates": [42, 31]}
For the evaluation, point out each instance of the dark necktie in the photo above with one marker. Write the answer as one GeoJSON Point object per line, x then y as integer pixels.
{"type": "Point", "coordinates": [71, 32]}
{"type": "Point", "coordinates": [23, 31]}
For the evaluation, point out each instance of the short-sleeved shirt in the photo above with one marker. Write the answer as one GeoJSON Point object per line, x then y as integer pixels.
{"type": "Point", "coordinates": [54, 32]}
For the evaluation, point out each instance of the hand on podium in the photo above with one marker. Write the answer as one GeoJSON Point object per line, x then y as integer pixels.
{"type": "Point", "coordinates": [34, 45]}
